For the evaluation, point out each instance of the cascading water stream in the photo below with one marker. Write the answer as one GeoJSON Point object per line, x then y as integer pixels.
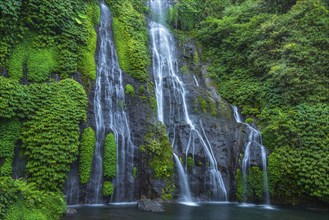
{"type": "Point", "coordinates": [172, 106]}
{"type": "Point", "coordinates": [110, 117]}
{"type": "Point", "coordinates": [254, 139]}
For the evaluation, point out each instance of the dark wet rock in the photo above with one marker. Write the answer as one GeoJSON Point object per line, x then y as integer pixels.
{"type": "Point", "coordinates": [150, 205]}
{"type": "Point", "coordinates": [71, 212]}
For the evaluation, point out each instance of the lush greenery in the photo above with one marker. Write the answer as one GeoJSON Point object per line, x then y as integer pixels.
{"type": "Point", "coordinates": [130, 90]}
{"type": "Point", "coordinates": [19, 200]}
{"type": "Point", "coordinates": [270, 58]}
{"type": "Point", "coordinates": [50, 133]}
{"type": "Point", "coordinates": [107, 188]}
{"type": "Point", "coordinates": [41, 40]}
{"type": "Point", "coordinates": [159, 154]}
{"type": "Point", "coordinates": [252, 187]}
{"type": "Point", "coordinates": [131, 37]}
{"type": "Point", "coordinates": [109, 163]}
{"type": "Point", "coordinates": [9, 133]}
{"type": "Point", "coordinates": [110, 157]}
{"type": "Point", "coordinates": [86, 154]}
{"type": "Point", "coordinates": [43, 37]}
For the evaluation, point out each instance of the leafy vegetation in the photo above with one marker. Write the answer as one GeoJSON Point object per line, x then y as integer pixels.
{"type": "Point", "coordinates": [107, 188]}
{"type": "Point", "coordinates": [131, 38]}
{"type": "Point", "coordinates": [130, 90]}
{"type": "Point", "coordinates": [159, 153]}
{"type": "Point", "coordinates": [21, 200]}
{"type": "Point", "coordinates": [50, 132]}
{"type": "Point", "coordinates": [86, 154]}
{"type": "Point", "coordinates": [253, 188]}
{"type": "Point", "coordinates": [9, 134]}
{"type": "Point", "coordinates": [59, 37]}
{"type": "Point", "coordinates": [110, 157]}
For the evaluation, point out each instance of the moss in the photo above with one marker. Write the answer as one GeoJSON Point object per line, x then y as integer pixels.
{"type": "Point", "coordinates": [213, 108]}
{"type": "Point", "coordinates": [130, 90]}
{"type": "Point", "coordinates": [108, 188]}
{"type": "Point", "coordinates": [21, 200]}
{"type": "Point", "coordinates": [51, 135]}
{"type": "Point", "coordinates": [86, 154]}
{"type": "Point", "coordinates": [9, 135]}
{"type": "Point", "coordinates": [131, 39]}
{"type": "Point", "coordinates": [86, 62]}
{"type": "Point", "coordinates": [190, 162]}
{"type": "Point", "coordinates": [249, 120]}
{"type": "Point", "coordinates": [254, 188]}
{"type": "Point", "coordinates": [109, 162]}
{"type": "Point", "coordinates": [17, 61]}
{"type": "Point", "coordinates": [39, 62]}
{"type": "Point", "coordinates": [159, 153]}
{"type": "Point", "coordinates": [141, 89]}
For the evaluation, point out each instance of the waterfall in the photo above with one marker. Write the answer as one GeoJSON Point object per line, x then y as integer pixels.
{"type": "Point", "coordinates": [185, 188]}
{"type": "Point", "coordinates": [254, 139]}
{"type": "Point", "coordinates": [196, 81]}
{"type": "Point", "coordinates": [71, 186]}
{"type": "Point", "coordinates": [109, 102]}
{"type": "Point", "coordinates": [172, 107]}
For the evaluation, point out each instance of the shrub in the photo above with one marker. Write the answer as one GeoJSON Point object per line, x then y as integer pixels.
{"type": "Point", "coordinates": [109, 162]}
{"type": "Point", "coordinates": [130, 90]}
{"type": "Point", "coordinates": [86, 154]}
{"type": "Point", "coordinates": [107, 188]}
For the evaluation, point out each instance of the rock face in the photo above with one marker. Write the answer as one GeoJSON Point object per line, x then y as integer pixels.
{"type": "Point", "coordinates": [150, 206]}
{"type": "Point", "coordinates": [71, 212]}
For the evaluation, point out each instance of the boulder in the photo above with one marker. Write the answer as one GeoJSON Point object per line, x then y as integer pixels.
{"type": "Point", "coordinates": [150, 206]}
{"type": "Point", "coordinates": [71, 212]}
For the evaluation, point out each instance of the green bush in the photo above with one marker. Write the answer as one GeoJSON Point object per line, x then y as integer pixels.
{"type": "Point", "coordinates": [159, 151]}
{"type": "Point", "coordinates": [253, 188]}
{"type": "Point", "coordinates": [9, 135]}
{"type": "Point", "coordinates": [86, 62]}
{"type": "Point", "coordinates": [109, 162]}
{"type": "Point", "coordinates": [129, 90]}
{"type": "Point", "coordinates": [86, 154]}
{"type": "Point", "coordinates": [107, 188]}
{"type": "Point", "coordinates": [131, 38]}
{"type": "Point", "coordinates": [51, 136]}
{"type": "Point", "coordinates": [40, 63]}
{"type": "Point", "coordinates": [21, 200]}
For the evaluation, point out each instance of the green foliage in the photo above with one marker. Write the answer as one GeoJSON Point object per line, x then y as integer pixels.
{"type": "Point", "coordinates": [86, 154]}
{"type": "Point", "coordinates": [11, 28]}
{"type": "Point", "coordinates": [86, 62]}
{"type": "Point", "coordinates": [157, 154]}
{"type": "Point", "coordinates": [186, 14]}
{"type": "Point", "coordinates": [17, 61]}
{"type": "Point", "coordinates": [129, 90]}
{"type": "Point", "coordinates": [110, 158]}
{"type": "Point", "coordinates": [108, 188]}
{"type": "Point", "coordinates": [304, 162]}
{"type": "Point", "coordinates": [37, 62]}
{"type": "Point", "coordinates": [190, 162]}
{"type": "Point", "coordinates": [159, 151]}
{"type": "Point", "coordinates": [19, 211]}
{"type": "Point", "coordinates": [64, 39]}
{"type": "Point", "coordinates": [21, 200]}
{"type": "Point", "coordinates": [9, 135]}
{"type": "Point", "coordinates": [254, 189]}
{"type": "Point", "coordinates": [40, 63]}
{"type": "Point", "coordinates": [51, 136]}
{"type": "Point", "coordinates": [131, 38]}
